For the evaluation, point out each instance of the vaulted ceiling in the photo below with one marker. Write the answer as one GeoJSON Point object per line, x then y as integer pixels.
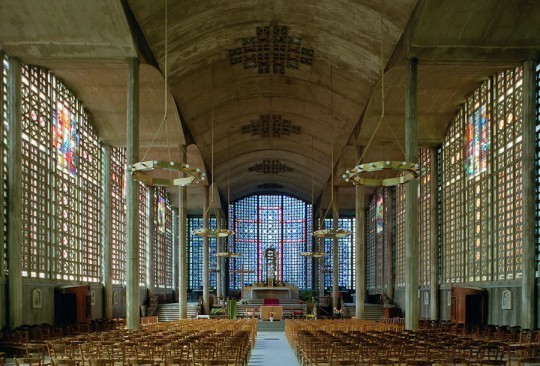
{"type": "Point", "coordinates": [284, 91]}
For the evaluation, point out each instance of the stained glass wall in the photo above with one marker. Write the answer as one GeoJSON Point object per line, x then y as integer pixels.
{"type": "Point", "coordinates": [425, 159]}
{"type": "Point", "coordinates": [265, 221]}
{"type": "Point", "coordinates": [143, 234]}
{"type": "Point", "coordinates": [399, 251]}
{"type": "Point", "coordinates": [61, 178]}
{"type": "Point", "coordinates": [3, 160]}
{"type": "Point", "coordinates": [162, 240]}
{"type": "Point", "coordinates": [346, 255]}
{"type": "Point", "coordinates": [379, 240]}
{"type": "Point", "coordinates": [481, 184]}
{"type": "Point", "coordinates": [118, 203]}
{"type": "Point", "coordinates": [538, 170]}
{"type": "Point", "coordinates": [195, 255]}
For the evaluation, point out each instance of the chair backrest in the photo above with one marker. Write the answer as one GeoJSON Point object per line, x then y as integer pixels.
{"type": "Point", "coordinates": [64, 362]}
{"type": "Point", "coordinates": [101, 362]}
{"type": "Point", "coordinates": [29, 361]}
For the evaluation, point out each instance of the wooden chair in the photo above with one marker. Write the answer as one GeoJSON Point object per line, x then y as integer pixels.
{"type": "Point", "coordinates": [64, 362]}
{"type": "Point", "coordinates": [29, 361]}
{"type": "Point", "coordinates": [101, 362]}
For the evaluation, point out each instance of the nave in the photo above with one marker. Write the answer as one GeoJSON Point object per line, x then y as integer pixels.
{"type": "Point", "coordinates": [304, 342]}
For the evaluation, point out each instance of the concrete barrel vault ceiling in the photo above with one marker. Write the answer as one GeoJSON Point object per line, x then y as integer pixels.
{"type": "Point", "coordinates": [332, 101]}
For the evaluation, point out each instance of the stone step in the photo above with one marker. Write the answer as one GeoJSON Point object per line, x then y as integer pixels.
{"type": "Point", "coordinates": [170, 312]}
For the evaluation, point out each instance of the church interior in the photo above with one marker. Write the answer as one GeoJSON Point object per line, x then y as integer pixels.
{"type": "Point", "coordinates": [358, 178]}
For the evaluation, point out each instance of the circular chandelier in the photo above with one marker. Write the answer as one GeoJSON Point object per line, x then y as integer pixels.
{"type": "Point", "coordinates": [228, 254]}
{"type": "Point", "coordinates": [331, 233]}
{"type": "Point", "coordinates": [212, 233]}
{"type": "Point", "coordinates": [313, 254]}
{"type": "Point", "coordinates": [140, 172]}
{"type": "Point", "coordinates": [357, 174]}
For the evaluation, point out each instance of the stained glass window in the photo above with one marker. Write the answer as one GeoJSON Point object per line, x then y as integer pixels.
{"type": "Point", "coordinates": [399, 251]}
{"type": "Point", "coordinates": [346, 254]}
{"type": "Point", "coordinates": [143, 234]}
{"type": "Point", "coordinates": [538, 170]}
{"type": "Point", "coordinates": [162, 246]}
{"type": "Point", "coordinates": [118, 203]}
{"type": "Point", "coordinates": [482, 209]}
{"type": "Point", "coordinates": [379, 242]}
{"type": "Point", "coordinates": [195, 255]}
{"type": "Point", "coordinates": [3, 159]}
{"type": "Point", "coordinates": [266, 221]}
{"type": "Point", "coordinates": [61, 185]}
{"type": "Point", "coordinates": [371, 226]}
{"type": "Point", "coordinates": [426, 157]}
{"type": "Point", "coordinates": [507, 167]}
{"type": "Point", "coordinates": [452, 200]}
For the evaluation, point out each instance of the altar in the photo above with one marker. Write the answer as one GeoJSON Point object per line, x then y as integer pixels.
{"type": "Point", "coordinates": [285, 292]}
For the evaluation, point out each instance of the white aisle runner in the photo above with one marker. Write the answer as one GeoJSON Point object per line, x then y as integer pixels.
{"type": "Point", "coordinates": [272, 348]}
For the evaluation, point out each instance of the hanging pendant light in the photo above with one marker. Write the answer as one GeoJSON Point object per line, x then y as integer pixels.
{"type": "Point", "coordinates": [319, 253]}
{"type": "Point", "coordinates": [334, 232]}
{"type": "Point", "coordinates": [156, 173]}
{"type": "Point", "coordinates": [206, 231]}
{"type": "Point", "coordinates": [360, 174]}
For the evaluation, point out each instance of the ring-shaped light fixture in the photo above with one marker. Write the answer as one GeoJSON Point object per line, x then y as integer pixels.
{"type": "Point", "coordinates": [140, 172]}
{"type": "Point", "coordinates": [355, 176]}
{"type": "Point", "coordinates": [213, 233]}
{"type": "Point", "coordinates": [228, 254]}
{"type": "Point", "coordinates": [313, 254]}
{"type": "Point", "coordinates": [330, 233]}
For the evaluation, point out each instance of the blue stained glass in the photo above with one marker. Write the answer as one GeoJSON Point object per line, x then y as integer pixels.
{"type": "Point", "coordinates": [346, 254]}
{"type": "Point", "coordinates": [271, 221]}
{"type": "Point", "coordinates": [477, 141]}
{"type": "Point", "coordinates": [195, 255]}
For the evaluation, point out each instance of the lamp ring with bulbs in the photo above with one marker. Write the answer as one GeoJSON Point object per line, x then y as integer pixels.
{"type": "Point", "coordinates": [140, 172]}
{"type": "Point", "coordinates": [357, 174]}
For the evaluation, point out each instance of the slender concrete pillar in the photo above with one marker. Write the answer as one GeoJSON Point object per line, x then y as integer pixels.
{"type": "Point", "coordinates": [182, 245]}
{"type": "Point", "coordinates": [219, 221]}
{"type": "Point", "coordinates": [206, 252]}
{"type": "Point", "coordinates": [107, 234]}
{"type": "Point", "coordinates": [389, 257]}
{"type": "Point", "coordinates": [14, 163]}
{"type": "Point", "coordinates": [151, 231]}
{"type": "Point", "coordinates": [360, 249]}
{"type": "Point", "coordinates": [132, 198]}
{"type": "Point", "coordinates": [411, 207]}
{"type": "Point", "coordinates": [434, 244]}
{"type": "Point", "coordinates": [528, 298]}
{"type": "Point", "coordinates": [335, 252]}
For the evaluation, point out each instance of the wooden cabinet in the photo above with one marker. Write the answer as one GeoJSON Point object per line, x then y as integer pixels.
{"type": "Point", "coordinates": [468, 305]}
{"type": "Point", "coordinates": [72, 305]}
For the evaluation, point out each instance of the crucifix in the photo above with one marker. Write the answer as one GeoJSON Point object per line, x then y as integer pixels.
{"type": "Point", "coordinates": [242, 271]}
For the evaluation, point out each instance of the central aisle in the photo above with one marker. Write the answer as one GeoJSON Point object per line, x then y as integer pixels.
{"type": "Point", "coordinates": [272, 348]}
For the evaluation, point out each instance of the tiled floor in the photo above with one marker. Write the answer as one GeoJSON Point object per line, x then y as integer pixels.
{"type": "Point", "coordinates": [272, 348]}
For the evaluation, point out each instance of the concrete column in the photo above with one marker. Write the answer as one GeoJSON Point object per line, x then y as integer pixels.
{"type": "Point", "coordinates": [107, 234]}
{"type": "Point", "coordinates": [182, 244]}
{"type": "Point", "coordinates": [335, 252]}
{"type": "Point", "coordinates": [434, 245]}
{"type": "Point", "coordinates": [151, 231]}
{"type": "Point", "coordinates": [175, 251]}
{"type": "Point", "coordinates": [528, 298]}
{"type": "Point", "coordinates": [132, 198]}
{"type": "Point", "coordinates": [360, 249]}
{"type": "Point", "coordinates": [389, 275]}
{"type": "Point", "coordinates": [411, 207]}
{"type": "Point", "coordinates": [14, 194]}
{"type": "Point", "coordinates": [206, 251]}
{"type": "Point", "coordinates": [219, 243]}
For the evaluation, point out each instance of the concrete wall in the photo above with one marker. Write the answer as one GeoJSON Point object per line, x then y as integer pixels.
{"type": "Point", "coordinates": [496, 315]}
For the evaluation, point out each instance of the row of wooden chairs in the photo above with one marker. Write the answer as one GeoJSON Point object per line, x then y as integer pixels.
{"type": "Point", "coordinates": [323, 345]}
